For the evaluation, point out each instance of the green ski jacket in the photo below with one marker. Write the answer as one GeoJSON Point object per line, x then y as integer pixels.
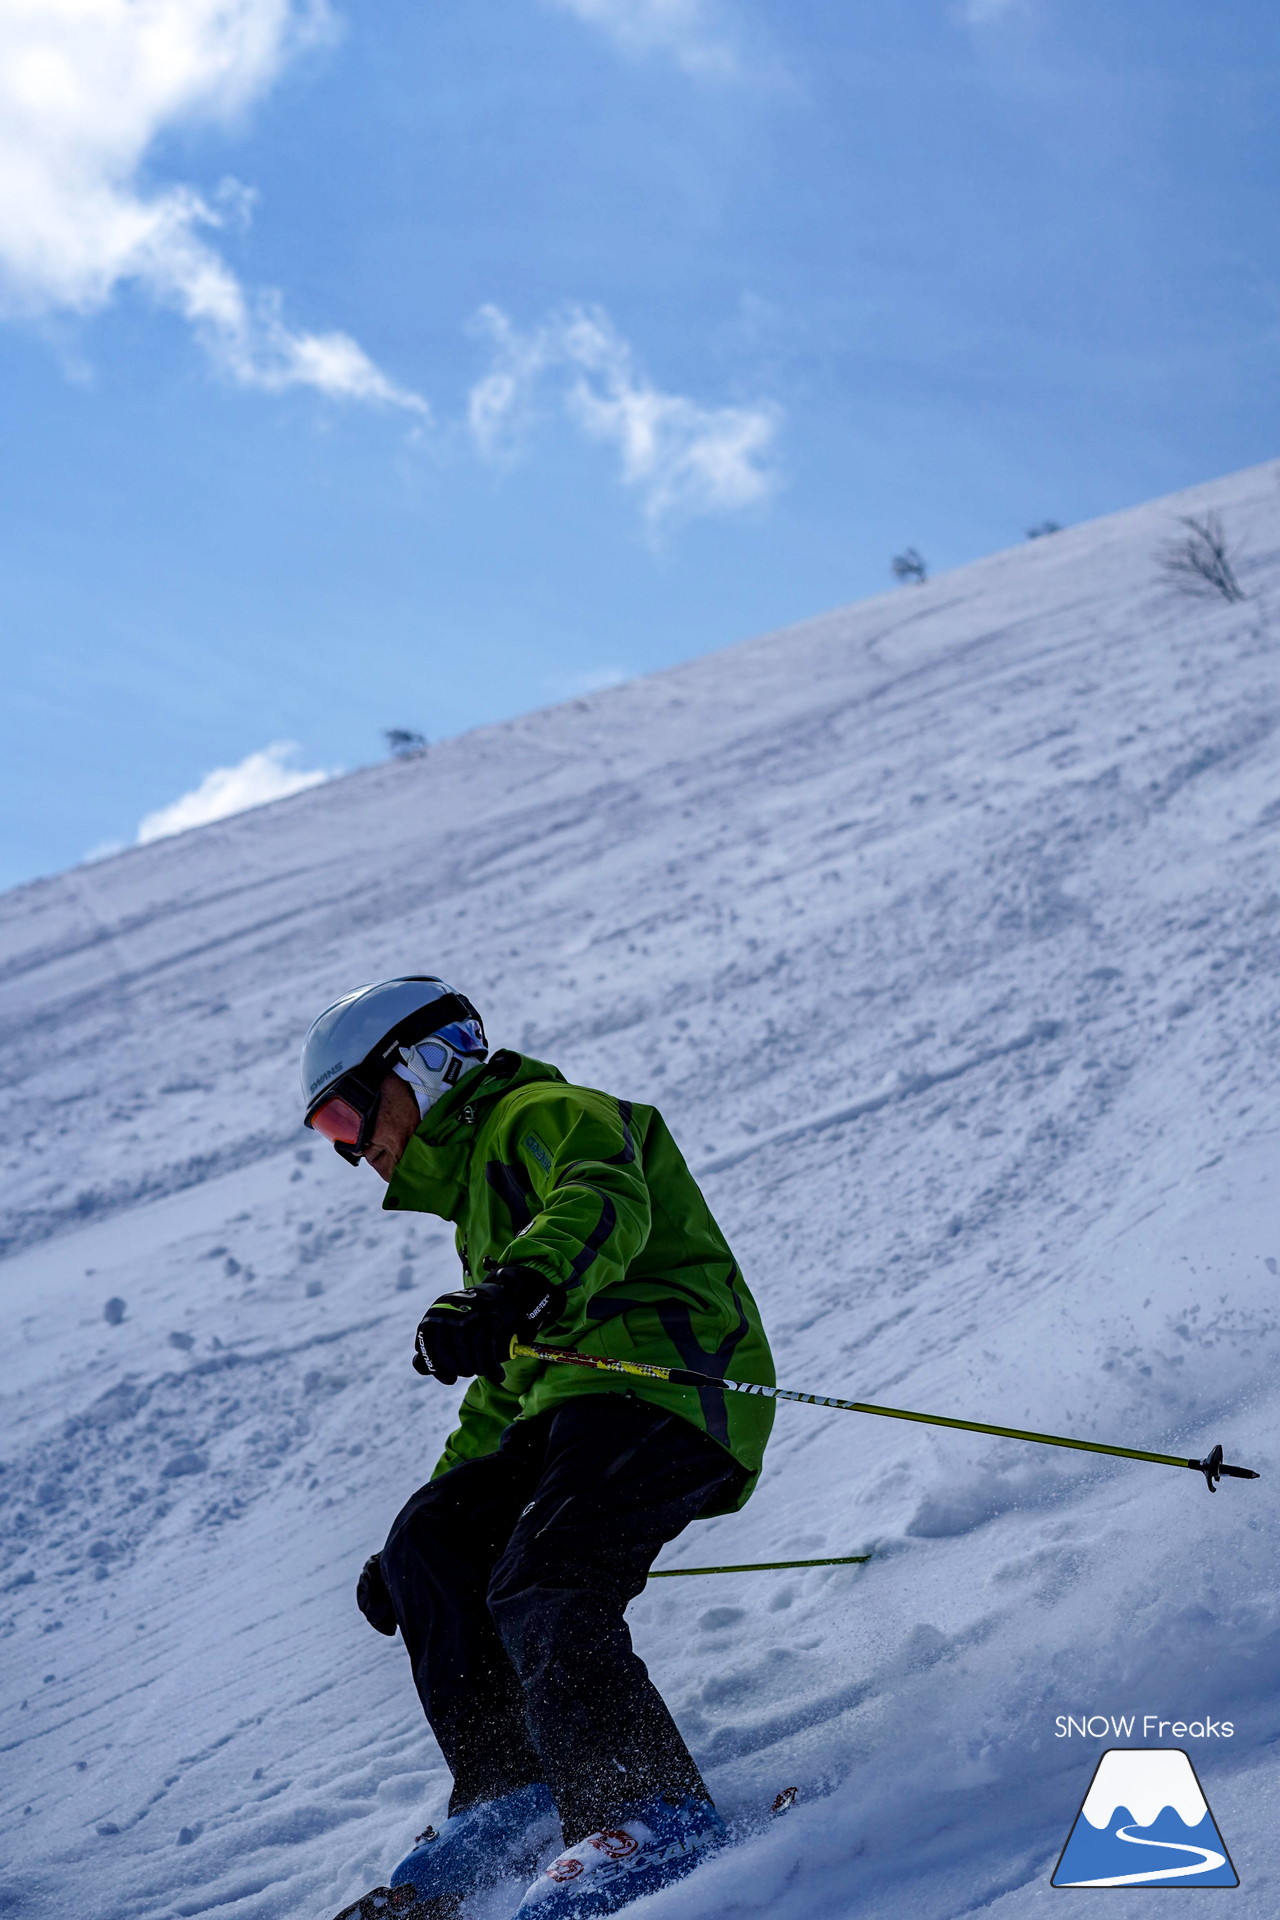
{"type": "Point", "coordinates": [594, 1193]}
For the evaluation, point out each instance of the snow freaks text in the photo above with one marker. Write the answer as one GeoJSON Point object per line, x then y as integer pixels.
{"type": "Point", "coordinates": [1122, 1726]}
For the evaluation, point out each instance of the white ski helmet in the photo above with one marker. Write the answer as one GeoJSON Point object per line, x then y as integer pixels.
{"type": "Point", "coordinates": [353, 1045]}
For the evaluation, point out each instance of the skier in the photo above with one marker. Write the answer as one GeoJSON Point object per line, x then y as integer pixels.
{"type": "Point", "coordinates": [508, 1574]}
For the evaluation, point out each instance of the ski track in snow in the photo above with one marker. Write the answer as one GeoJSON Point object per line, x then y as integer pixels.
{"type": "Point", "coordinates": [944, 929]}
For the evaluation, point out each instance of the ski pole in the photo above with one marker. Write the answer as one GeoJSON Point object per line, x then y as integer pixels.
{"type": "Point", "coordinates": [759, 1566]}
{"type": "Point", "coordinates": [1212, 1466]}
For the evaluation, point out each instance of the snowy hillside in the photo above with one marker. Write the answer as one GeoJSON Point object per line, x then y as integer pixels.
{"type": "Point", "coordinates": [944, 930]}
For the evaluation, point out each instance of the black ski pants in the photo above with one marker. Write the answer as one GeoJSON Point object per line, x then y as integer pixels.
{"type": "Point", "coordinates": [510, 1577]}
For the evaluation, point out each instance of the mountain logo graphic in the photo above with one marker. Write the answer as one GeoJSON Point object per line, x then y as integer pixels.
{"type": "Point", "coordinates": [1145, 1823]}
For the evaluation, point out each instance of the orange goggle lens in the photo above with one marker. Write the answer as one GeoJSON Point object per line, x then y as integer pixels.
{"type": "Point", "coordinates": [338, 1121]}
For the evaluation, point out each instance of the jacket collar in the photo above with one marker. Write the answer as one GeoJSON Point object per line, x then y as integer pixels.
{"type": "Point", "coordinates": [432, 1176]}
{"type": "Point", "coordinates": [475, 1093]}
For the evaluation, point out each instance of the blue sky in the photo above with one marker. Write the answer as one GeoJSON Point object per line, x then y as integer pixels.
{"type": "Point", "coordinates": [414, 364]}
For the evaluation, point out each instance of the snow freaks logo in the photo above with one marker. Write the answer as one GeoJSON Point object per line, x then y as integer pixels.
{"type": "Point", "coordinates": [1145, 1823]}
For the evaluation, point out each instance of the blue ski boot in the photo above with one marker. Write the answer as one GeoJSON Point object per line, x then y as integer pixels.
{"type": "Point", "coordinates": [490, 1841]}
{"type": "Point", "coordinates": [662, 1842]}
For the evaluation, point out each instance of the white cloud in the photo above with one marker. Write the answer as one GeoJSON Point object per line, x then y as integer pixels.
{"type": "Point", "coordinates": [576, 686]}
{"type": "Point", "coordinates": [692, 31]}
{"type": "Point", "coordinates": [682, 458]}
{"type": "Point", "coordinates": [86, 86]}
{"type": "Point", "coordinates": [976, 13]}
{"type": "Point", "coordinates": [258, 778]}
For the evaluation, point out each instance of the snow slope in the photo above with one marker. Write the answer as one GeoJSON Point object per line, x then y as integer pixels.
{"type": "Point", "coordinates": [945, 930]}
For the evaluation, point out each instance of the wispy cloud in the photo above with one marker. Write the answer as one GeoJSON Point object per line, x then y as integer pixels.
{"type": "Point", "coordinates": [576, 686]}
{"type": "Point", "coordinates": [86, 86]}
{"type": "Point", "coordinates": [977, 13]}
{"type": "Point", "coordinates": [683, 459]}
{"type": "Point", "coordinates": [694, 32]}
{"type": "Point", "coordinates": [257, 778]}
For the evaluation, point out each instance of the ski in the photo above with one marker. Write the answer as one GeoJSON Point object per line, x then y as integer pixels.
{"type": "Point", "coordinates": [394, 1903]}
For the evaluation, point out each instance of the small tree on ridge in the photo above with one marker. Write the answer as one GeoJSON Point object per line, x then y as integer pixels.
{"type": "Point", "coordinates": [909, 565]}
{"type": "Point", "coordinates": [1201, 562]}
{"type": "Point", "coordinates": [403, 743]}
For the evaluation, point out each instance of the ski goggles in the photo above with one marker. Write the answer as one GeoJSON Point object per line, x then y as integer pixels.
{"type": "Point", "coordinates": [346, 1120]}
{"type": "Point", "coordinates": [348, 1107]}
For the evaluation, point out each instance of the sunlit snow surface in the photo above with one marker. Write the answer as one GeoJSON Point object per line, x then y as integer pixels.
{"type": "Point", "coordinates": [945, 931]}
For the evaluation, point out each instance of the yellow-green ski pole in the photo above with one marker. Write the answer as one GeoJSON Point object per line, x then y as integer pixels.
{"type": "Point", "coordinates": [1212, 1466]}
{"type": "Point", "coordinates": [759, 1566]}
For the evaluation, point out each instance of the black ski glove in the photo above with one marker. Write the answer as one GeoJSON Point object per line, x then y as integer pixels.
{"type": "Point", "coordinates": [471, 1331]}
{"type": "Point", "coordinates": [372, 1597]}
